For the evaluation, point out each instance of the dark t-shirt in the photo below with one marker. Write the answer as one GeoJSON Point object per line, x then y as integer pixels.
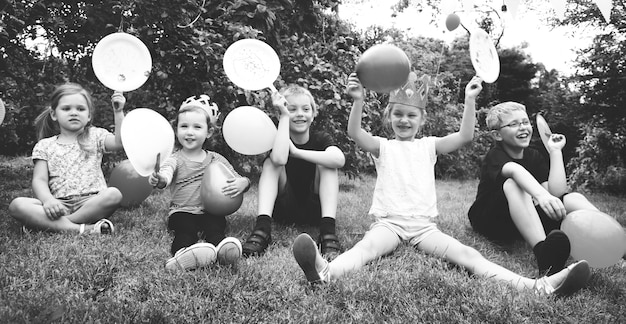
{"type": "Point", "coordinates": [492, 180]}
{"type": "Point", "coordinates": [301, 173]}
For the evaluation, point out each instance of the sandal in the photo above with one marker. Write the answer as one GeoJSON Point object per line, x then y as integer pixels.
{"type": "Point", "coordinates": [329, 244]}
{"type": "Point", "coordinates": [103, 226]}
{"type": "Point", "coordinates": [257, 243]}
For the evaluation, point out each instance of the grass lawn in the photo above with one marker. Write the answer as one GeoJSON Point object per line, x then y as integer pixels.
{"type": "Point", "coordinates": [48, 277]}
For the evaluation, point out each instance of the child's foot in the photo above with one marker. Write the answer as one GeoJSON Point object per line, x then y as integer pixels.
{"type": "Point", "coordinates": [310, 260]}
{"type": "Point", "coordinates": [197, 256]}
{"type": "Point", "coordinates": [329, 245]}
{"type": "Point", "coordinates": [554, 253]}
{"type": "Point", "coordinates": [103, 226]}
{"type": "Point", "coordinates": [566, 281]}
{"type": "Point", "coordinates": [257, 243]}
{"type": "Point", "coordinates": [228, 251]}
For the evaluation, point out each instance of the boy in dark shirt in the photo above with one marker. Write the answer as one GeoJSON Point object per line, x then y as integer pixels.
{"type": "Point", "coordinates": [520, 194]}
{"type": "Point", "coordinates": [299, 182]}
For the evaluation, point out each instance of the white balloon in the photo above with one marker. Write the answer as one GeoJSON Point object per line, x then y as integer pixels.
{"type": "Point", "coordinates": [145, 133]}
{"type": "Point", "coordinates": [594, 236]}
{"type": "Point", "coordinates": [248, 130]}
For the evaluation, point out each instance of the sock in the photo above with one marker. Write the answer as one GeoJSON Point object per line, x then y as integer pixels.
{"type": "Point", "coordinates": [541, 264]}
{"type": "Point", "coordinates": [264, 223]}
{"type": "Point", "coordinates": [327, 225]}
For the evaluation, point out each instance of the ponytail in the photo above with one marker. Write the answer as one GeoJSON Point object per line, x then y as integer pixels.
{"type": "Point", "coordinates": [46, 127]}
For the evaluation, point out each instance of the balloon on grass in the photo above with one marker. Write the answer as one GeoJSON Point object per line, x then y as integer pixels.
{"type": "Point", "coordinates": [383, 67]}
{"type": "Point", "coordinates": [134, 187]}
{"type": "Point", "coordinates": [213, 200]}
{"type": "Point", "coordinates": [248, 130]}
{"type": "Point", "coordinates": [595, 236]}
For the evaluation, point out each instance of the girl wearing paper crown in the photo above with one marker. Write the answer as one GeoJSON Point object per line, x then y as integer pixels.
{"type": "Point", "coordinates": [404, 202]}
{"type": "Point", "coordinates": [70, 189]}
{"type": "Point", "coordinates": [183, 171]}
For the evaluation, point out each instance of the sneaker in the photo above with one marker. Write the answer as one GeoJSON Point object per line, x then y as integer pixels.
{"type": "Point", "coordinates": [577, 277]}
{"type": "Point", "coordinates": [305, 252]}
{"type": "Point", "coordinates": [228, 251]}
{"type": "Point", "coordinates": [103, 226]}
{"type": "Point", "coordinates": [197, 256]}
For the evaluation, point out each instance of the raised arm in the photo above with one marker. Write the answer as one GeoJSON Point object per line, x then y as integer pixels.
{"type": "Point", "coordinates": [557, 181]}
{"type": "Point", "coordinates": [362, 138]}
{"type": "Point", "coordinates": [114, 143]}
{"type": "Point", "coordinates": [465, 134]}
{"type": "Point", "coordinates": [280, 150]}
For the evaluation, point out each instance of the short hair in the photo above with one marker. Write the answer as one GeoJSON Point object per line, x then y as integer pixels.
{"type": "Point", "coordinates": [294, 89]}
{"type": "Point", "coordinates": [494, 116]}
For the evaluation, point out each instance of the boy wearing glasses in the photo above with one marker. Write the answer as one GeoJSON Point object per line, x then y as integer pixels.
{"type": "Point", "coordinates": [520, 194]}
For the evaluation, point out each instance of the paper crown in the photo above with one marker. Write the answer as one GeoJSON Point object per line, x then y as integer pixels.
{"type": "Point", "coordinates": [203, 101]}
{"type": "Point", "coordinates": [413, 93]}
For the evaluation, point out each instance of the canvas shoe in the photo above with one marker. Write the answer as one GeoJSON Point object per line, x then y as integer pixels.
{"type": "Point", "coordinates": [228, 251]}
{"type": "Point", "coordinates": [103, 226]}
{"type": "Point", "coordinates": [305, 252]}
{"type": "Point", "coordinates": [577, 277]}
{"type": "Point", "coordinates": [197, 256]}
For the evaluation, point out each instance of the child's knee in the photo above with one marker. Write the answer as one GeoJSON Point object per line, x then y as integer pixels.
{"type": "Point", "coordinates": [510, 186]}
{"type": "Point", "coordinates": [112, 195]}
{"type": "Point", "coordinates": [469, 254]}
{"type": "Point", "coordinates": [16, 206]}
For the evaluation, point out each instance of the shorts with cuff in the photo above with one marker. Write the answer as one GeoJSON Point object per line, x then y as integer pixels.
{"type": "Point", "coordinates": [413, 229]}
{"type": "Point", "coordinates": [75, 202]}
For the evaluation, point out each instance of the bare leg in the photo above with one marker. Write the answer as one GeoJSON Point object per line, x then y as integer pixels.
{"type": "Point", "coordinates": [575, 201]}
{"type": "Point", "coordinates": [30, 212]}
{"type": "Point", "coordinates": [523, 213]}
{"type": "Point", "coordinates": [377, 242]}
{"type": "Point", "coordinates": [453, 251]}
{"type": "Point", "coordinates": [327, 187]}
{"type": "Point", "coordinates": [272, 178]}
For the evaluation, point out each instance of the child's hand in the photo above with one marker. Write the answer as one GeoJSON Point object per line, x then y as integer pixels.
{"type": "Point", "coordinates": [473, 88]}
{"type": "Point", "coordinates": [54, 209]}
{"type": "Point", "coordinates": [293, 150]}
{"type": "Point", "coordinates": [556, 142]}
{"type": "Point", "coordinates": [118, 101]}
{"type": "Point", "coordinates": [234, 187]}
{"type": "Point", "coordinates": [553, 206]}
{"type": "Point", "coordinates": [157, 180]}
{"type": "Point", "coordinates": [354, 88]}
{"type": "Point", "coordinates": [280, 103]}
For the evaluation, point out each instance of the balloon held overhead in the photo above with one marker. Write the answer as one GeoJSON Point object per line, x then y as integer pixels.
{"type": "Point", "coordinates": [383, 67]}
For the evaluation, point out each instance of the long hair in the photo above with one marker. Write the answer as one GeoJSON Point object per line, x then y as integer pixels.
{"type": "Point", "coordinates": [46, 127]}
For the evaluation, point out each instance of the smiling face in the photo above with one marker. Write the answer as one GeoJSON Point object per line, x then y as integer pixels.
{"type": "Point", "coordinates": [192, 129]}
{"type": "Point", "coordinates": [405, 121]}
{"type": "Point", "coordinates": [72, 113]}
{"type": "Point", "coordinates": [515, 130]}
{"type": "Point", "coordinates": [301, 113]}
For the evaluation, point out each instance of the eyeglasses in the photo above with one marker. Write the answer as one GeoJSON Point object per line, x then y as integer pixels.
{"type": "Point", "coordinates": [516, 124]}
